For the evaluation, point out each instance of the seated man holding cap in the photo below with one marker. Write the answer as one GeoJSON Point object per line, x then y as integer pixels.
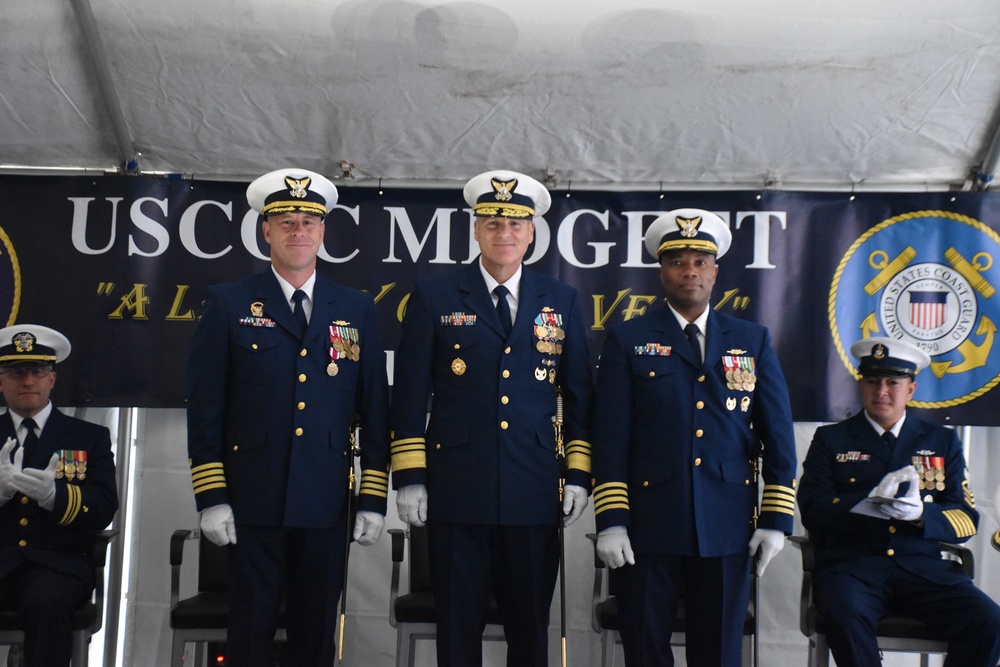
{"type": "Point", "coordinates": [57, 488]}
{"type": "Point", "coordinates": [911, 475]}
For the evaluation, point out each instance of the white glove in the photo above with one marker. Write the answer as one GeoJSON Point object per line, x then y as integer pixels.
{"type": "Point", "coordinates": [411, 504]}
{"type": "Point", "coordinates": [889, 486]}
{"type": "Point", "coordinates": [574, 502]}
{"type": "Point", "coordinates": [766, 542]}
{"type": "Point", "coordinates": [368, 528]}
{"type": "Point", "coordinates": [908, 507]}
{"type": "Point", "coordinates": [218, 524]}
{"type": "Point", "coordinates": [614, 547]}
{"type": "Point", "coordinates": [39, 485]}
{"type": "Point", "coordinates": [996, 510]}
{"type": "Point", "coordinates": [8, 468]}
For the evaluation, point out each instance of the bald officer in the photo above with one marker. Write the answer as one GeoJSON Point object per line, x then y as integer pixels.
{"type": "Point", "coordinates": [492, 343]}
{"type": "Point", "coordinates": [282, 363]}
{"type": "Point", "coordinates": [57, 489]}
{"type": "Point", "coordinates": [689, 399]}
{"type": "Point", "coordinates": [913, 475]}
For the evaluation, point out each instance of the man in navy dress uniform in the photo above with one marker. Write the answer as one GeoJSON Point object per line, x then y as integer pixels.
{"type": "Point", "coordinates": [879, 492]}
{"type": "Point", "coordinates": [57, 489]}
{"type": "Point", "coordinates": [282, 364]}
{"type": "Point", "coordinates": [492, 343]}
{"type": "Point", "coordinates": [690, 398]}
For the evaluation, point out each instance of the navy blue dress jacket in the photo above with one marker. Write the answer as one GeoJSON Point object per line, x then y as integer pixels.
{"type": "Point", "coordinates": [487, 455]}
{"type": "Point", "coordinates": [269, 414]}
{"type": "Point", "coordinates": [675, 442]}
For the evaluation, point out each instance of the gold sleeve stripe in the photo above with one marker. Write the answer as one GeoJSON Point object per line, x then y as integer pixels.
{"type": "Point", "coordinates": [960, 523]}
{"type": "Point", "coordinates": [206, 467]}
{"type": "Point", "coordinates": [778, 490]}
{"type": "Point", "coordinates": [780, 508]}
{"type": "Point", "coordinates": [74, 500]}
{"type": "Point", "coordinates": [970, 500]}
{"type": "Point", "coordinates": [205, 482]}
{"type": "Point", "coordinates": [578, 455]}
{"type": "Point", "coordinates": [409, 460]}
{"type": "Point", "coordinates": [611, 500]}
{"type": "Point", "coordinates": [374, 483]}
{"type": "Point", "coordinates": [407, 441]}
{"type": "Point", "coordinates": [600, 488]}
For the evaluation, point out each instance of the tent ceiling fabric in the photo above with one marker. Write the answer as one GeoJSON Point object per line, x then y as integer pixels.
{"type": "Point", "coordinates": [711, 93]}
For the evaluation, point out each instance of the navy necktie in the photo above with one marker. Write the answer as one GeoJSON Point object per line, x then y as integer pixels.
{"type": "Point", "coordinates": [300, 312]}
{"type": "Point", "coordinates": [889, 438]}
{"type": "Point", "coordinates": [692, 334]}
{"type": "Point", "coordinates": [503, 309]}
{"type": "Point", "coordinates": [30, 440]}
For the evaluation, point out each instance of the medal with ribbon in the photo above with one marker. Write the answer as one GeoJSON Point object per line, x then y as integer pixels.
{"type": "Point", "coordinates": [343, 345]}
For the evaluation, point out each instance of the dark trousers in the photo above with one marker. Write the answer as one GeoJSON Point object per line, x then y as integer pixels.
{"type": "Point", "coordinates": [958, 612]}
{"type": "Point", "coordinates": [517, 564]}
{"type": "Point", "coordinates": [46, 599]}
{"type": "Point", "coordinates": [715, 593]}
{"type": "Point", "coordinates": [304, 564]}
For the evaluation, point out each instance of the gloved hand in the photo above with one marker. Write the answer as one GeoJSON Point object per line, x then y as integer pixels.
{"type": "Point", "coordinates": [766, 542]}
{"type": "Point", "coordinates": [614, 547]}
{"type": "Point", "coordinates": [889, 486]}
{"type": "Point", "coordinates": [411, 504]}
{"type": "Point", "coordinates": [996, 510]}
{"type": "Point", "coordinates": [574, 502]}
{"type": "Point", "coordinates": [8, 467]}
{"type": "Point", "coordinates": [39, 485]}
{"type": "Point", "coordinates": [908, 507]}
{"type": "Point", "coordinates": [368, 527]}
{"type": "Point", "coordinates": [218, 524]}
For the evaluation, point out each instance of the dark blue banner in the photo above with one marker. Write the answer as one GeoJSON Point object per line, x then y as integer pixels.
{"type": "Point", "coordinates": [121, 265]}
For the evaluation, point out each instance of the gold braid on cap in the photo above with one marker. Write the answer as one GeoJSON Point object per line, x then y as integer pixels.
{"type": "Point", "coordinates": [704, 245]}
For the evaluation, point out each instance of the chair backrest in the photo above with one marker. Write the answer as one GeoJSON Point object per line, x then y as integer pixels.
{"type": "Point", "coordinates": [420, 560]}
{"type": "Point", "coordinates": [213, 567]}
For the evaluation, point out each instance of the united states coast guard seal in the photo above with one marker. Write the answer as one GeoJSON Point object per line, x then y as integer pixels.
{"type": "Point", "coordinates": [10, 281]}
{"type": "Point", "coordinates": [928, 278]}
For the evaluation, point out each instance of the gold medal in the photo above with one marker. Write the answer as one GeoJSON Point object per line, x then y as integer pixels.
{"type": "Point", "coordinates": [60, 466]}
{"type": "Point", "coordinates": [332, 369]}
{"type": "Point", "coordinates": [729, 377]}
{"type": "Point", "coordinates": [939, 475]}
{"type": "Point", "coordinates": [730, 386]}
{"type": "Point", "coordinates": [921, 485]}
{"type": "Point", "coordinates": [929, 475]}
{"type": "Point", "coordinates": [939, 486]}
{"type": "Point", "coordinates": [540, 331]}
{"type": "Point", "coordinates": [355, 352]}
{"type": "Point", "coordinates": [70, 470]}
{"type": "Point", "coordinates": [458, 367]}
{"type": "Point", "coordinates": [738, 375]}
{"type": "Point", "coordinates": [257, 309]}
{"type": "Point", "coordinates": [558, 347]}
{"type": "Point", "coordinates": [749, 386]}
{"type": "Point", "coordinates": [558, 333]}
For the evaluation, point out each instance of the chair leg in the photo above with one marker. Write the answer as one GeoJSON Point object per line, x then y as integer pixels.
{"type": "Point", "coordinates": [608, 641]}
{"type": "Point", "coordinates": [404, 653]}
{"type": "Point", "coordinates": [748, 641]}
{"type": "Point", "coordinates": [81, 648]}
{"type": "Point", "coordinates": [177, 652]}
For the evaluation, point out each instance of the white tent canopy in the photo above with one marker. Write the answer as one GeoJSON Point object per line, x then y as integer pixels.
{"type": "Point", "coordinates": [639, 93]}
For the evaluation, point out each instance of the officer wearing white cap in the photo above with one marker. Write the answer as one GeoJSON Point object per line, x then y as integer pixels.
{"type": "Point", "coordinates": [282, 364]}
{"type": "Point", "coordinates": [690, 398]}
{"type": "Point", "coordinates": [57, 486]}
{"type": "Point", "coordinates": [494, 343]}
{"type": "Point", "coordinates": [914, 474]}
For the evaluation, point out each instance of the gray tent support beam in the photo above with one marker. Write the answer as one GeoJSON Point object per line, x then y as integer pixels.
{"type": "Point", "coordinates": [991, 161]}
{"type": "Point", "coordinates": [95, 47]}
